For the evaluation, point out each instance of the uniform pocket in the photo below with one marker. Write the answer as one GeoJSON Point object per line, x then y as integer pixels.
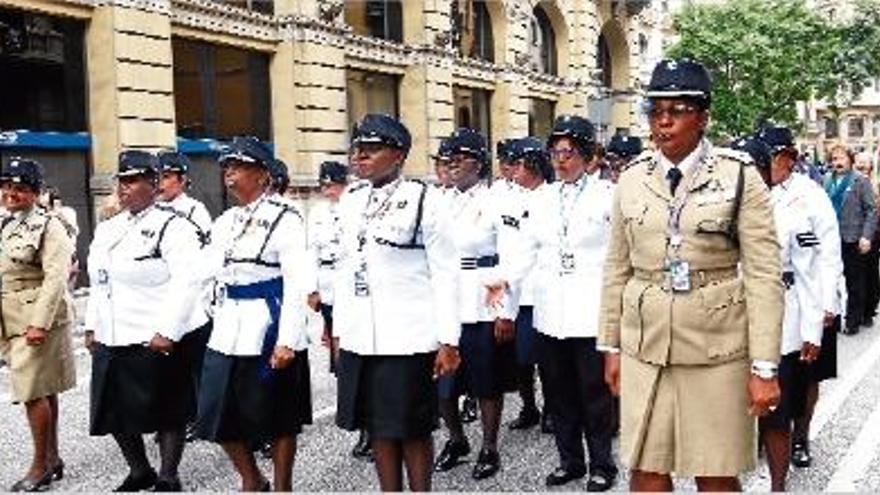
{"type": "Point", "coordinates": [633, 217]}
{"type": "Point", "coordinates": [726, 320]}
{"type": "Point", "coordinates": [631, 316]}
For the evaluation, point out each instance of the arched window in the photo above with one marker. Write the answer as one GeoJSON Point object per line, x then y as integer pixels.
{"type": "Point", "coordinates": [473, 29]}
{"type": "Point", "coordinates": [603, 62]}
{"type": "Point", "coordinates": [376, 18]}
{"type": "Point", "coordinates": [543, 42]}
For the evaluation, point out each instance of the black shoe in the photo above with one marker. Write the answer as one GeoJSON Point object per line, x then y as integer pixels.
{"type": "Point", "coordinates": [850, 330]}
{"type": "Point", "coordinates": [58, 471]}
{"type": "Point", "coordinates": [547, 424]}
{"type": "Point", "coordinates": [562, 476]}
{"type": "Point", "coordinates": [266, 450]}
{"type": "Point", "coordinates": [29, 485]}
{"type": "Point", "coordinates": [488, 463]}
{"type": "Point", "coordinates": [527, 418]}
{"type": "Point", "coordinates": [868, 322]}
{"type": "Point", "coordinates": [167, 486]}
{"type": "Point", "coordinates": [469, 410]}
{"type": "Point", "coordinates": [451, 455]}
{"type": "Point", "coordinates": [599, 482]}
{"type": "Point", "coordinates": [132, 484]}
{"type": "Point", "coordinates": [800, 455]}
{"type": "Point", "coordinates": [362, 449]}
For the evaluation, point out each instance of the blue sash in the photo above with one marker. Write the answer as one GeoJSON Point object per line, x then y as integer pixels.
{"type": "Point", "coordinates": [271, 292]}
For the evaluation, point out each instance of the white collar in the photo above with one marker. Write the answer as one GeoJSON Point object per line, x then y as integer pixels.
{"type": "Point", "coordinates": [689, 161]}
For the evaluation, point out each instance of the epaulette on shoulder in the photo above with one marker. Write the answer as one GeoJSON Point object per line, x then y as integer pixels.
{"type": "Point", "coordinates": [739, 156]}
{"type": "Point", "coordinates": [357, 186]}
{"type": "Point", "coordinates": [287, 207]}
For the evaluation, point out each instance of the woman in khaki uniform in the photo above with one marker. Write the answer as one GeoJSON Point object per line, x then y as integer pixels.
{"type": "Point", "coordinates": [692, 299]}
{"type": "Point", "coordinates": [35, 253]}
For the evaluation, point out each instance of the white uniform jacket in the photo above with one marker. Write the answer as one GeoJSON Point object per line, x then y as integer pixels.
{"type": "Point", "coordinates": [805, 224]}
{"type": "Point", "coordinates": [259, 242]}
{"type": "Point", "coordinates": [140, 268]}
{"type": "Point", "coordinates": [396, 287]}
{"type": "Point", "coordinates": [564, 239]}
{"type": "Point", "coordinates": [193, 210]}
{"type": "Point", "coordinates": [324, 233]}
{"type": "Point", "coordinates": [482, 224]}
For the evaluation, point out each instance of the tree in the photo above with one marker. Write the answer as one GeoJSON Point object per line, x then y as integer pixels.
{"type": "Point", "coordinates": [765, 56]}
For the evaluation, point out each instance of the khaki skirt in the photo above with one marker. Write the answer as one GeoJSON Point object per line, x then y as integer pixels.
{"type": "Point", "coordinates": [43, 370]}
{"type": "Point", "coordinates": [686, 420]}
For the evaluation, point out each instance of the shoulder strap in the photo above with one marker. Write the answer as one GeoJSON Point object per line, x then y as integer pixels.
{"type": "Point", "coordinates": [420, 209]}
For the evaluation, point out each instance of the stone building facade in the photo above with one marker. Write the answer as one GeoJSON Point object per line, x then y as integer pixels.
{"type": "Point", "coordinates": [89, 78]}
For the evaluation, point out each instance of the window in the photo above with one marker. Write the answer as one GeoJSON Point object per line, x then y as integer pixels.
{"type": "Point", "coordinates": [541, 115]}
{"type": "Point", "coordinates": [831, 130]}
{"type": "Point", "coordinates": [542, 43]}
{"type": "Point", "coordinates": [876, 126]}
{"type": "Point", "coordinates": [856, 127]}
{"type": "Point", "coordinates": [42, 73]}
{"type": "Point", "coordinates": [376, 18]}
{"type": "Point", "coordinates": [220, 92]}
{"type": "Point", "coordinates": [603, 61]}
{"type": "Point", "coordinates": [472, 109]}
{"type": "Point", "coordinates": [263, 6]}
{"type": "Point", "coordinates": [473, 29]}
{"type": "Point", "coordinates": [371, 92]}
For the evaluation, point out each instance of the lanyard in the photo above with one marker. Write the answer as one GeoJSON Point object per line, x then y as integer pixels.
{"type": "Point", "coordinates": [564, 215]}
{"type": "Point", "coordinates": [368, 216]}
{"type": "Point", "coordinates": [673, 225]}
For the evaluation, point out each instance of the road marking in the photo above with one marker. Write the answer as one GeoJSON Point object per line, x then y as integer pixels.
{"type": "Point", "coordinates": [828, 406]}
{"type": "Point", "coordinates": [851, 469]}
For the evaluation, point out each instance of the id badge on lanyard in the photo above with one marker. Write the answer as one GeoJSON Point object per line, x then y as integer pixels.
{"type": "Point", "coordinates": [361, 280]}
{"type": "Point", "coordinates": [567, 265]}
{"type": "Point", "coordinates": [678, 271]}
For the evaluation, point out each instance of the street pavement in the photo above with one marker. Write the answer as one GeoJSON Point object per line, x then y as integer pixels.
{"type": "Point", "coordinates": [846, 442]}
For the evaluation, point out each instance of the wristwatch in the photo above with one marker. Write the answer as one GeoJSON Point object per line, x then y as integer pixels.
{"type": "Point", "coordinates": [764, 370]}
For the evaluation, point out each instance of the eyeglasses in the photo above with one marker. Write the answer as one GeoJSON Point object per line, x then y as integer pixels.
{"type": "Point", "coordinates": [674, 111]}
{"type": "Point", "coordinates": [563, 153]}
{"type": "Point", "coordinates": [367, 149]}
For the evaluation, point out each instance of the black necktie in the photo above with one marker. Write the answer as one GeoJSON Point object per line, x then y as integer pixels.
{"type": "Point", "coordinates": [674, 177]}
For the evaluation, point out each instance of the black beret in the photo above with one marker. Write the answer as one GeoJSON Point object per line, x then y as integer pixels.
{"type": "Point", "coordinates": [534, 152]}
{"type": "Point", "coordinates": [248, 149]}
{"type": "Point", "coordinates": [381, 129]}
{"type": "Point", "coordinates": [577, 128]}
{"type": "Point", "coordinates": [23, 171]}
{"type": "Point", "coordinates": [280, 175]}
{"type": "Point", "coordinates": [683, 78]}
{"type": "Point", "coordinates": [333, 173]}
{"type": "Point", "coordinates": [624, 146]}
{"type": "Point", "coordinates": [173, 161]}
{"type": "Point", "coordinates": [777, 138]}
{"type": "Point", "coordinates": [503, 148]}
{"type": "Point", "coordinates": [469, 142]}
{"type": "Point", "coordinates": [137, 162]}
{"type": "Point", "coordinates": [756, 148]}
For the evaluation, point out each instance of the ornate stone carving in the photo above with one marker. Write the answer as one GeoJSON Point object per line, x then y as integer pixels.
{"type": "Point", "coordinates": [329, 10]}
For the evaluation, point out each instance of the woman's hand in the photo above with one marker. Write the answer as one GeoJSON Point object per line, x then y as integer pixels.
{"type": "Point", "coordinates": [35, 336]}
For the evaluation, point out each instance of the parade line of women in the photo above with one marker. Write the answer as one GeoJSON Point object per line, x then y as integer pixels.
{"type": "Point", "coordinates": [677, 289]}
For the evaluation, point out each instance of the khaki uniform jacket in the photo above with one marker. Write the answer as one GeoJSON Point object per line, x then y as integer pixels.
{"type": "Point", "coordinates": [735, 305]}
{"type": "Point", "coordinates": [34, 265]}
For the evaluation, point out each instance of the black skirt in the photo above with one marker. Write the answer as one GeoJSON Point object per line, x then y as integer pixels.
{"type": "Point", "coordinates": [392, 397]}
{"type": "Point", "coordinates": [825, 367]}
{"type": "Point", "coordinates": [793, 380]}
{"type": "Point", "coordinates": [526, 337]}
{"type": "Point", "coordinates": [135, 390]}
{"type": "Point", "coordinates": [237, 404]}
{"type": "Point", "coordinates": [488, 369]}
